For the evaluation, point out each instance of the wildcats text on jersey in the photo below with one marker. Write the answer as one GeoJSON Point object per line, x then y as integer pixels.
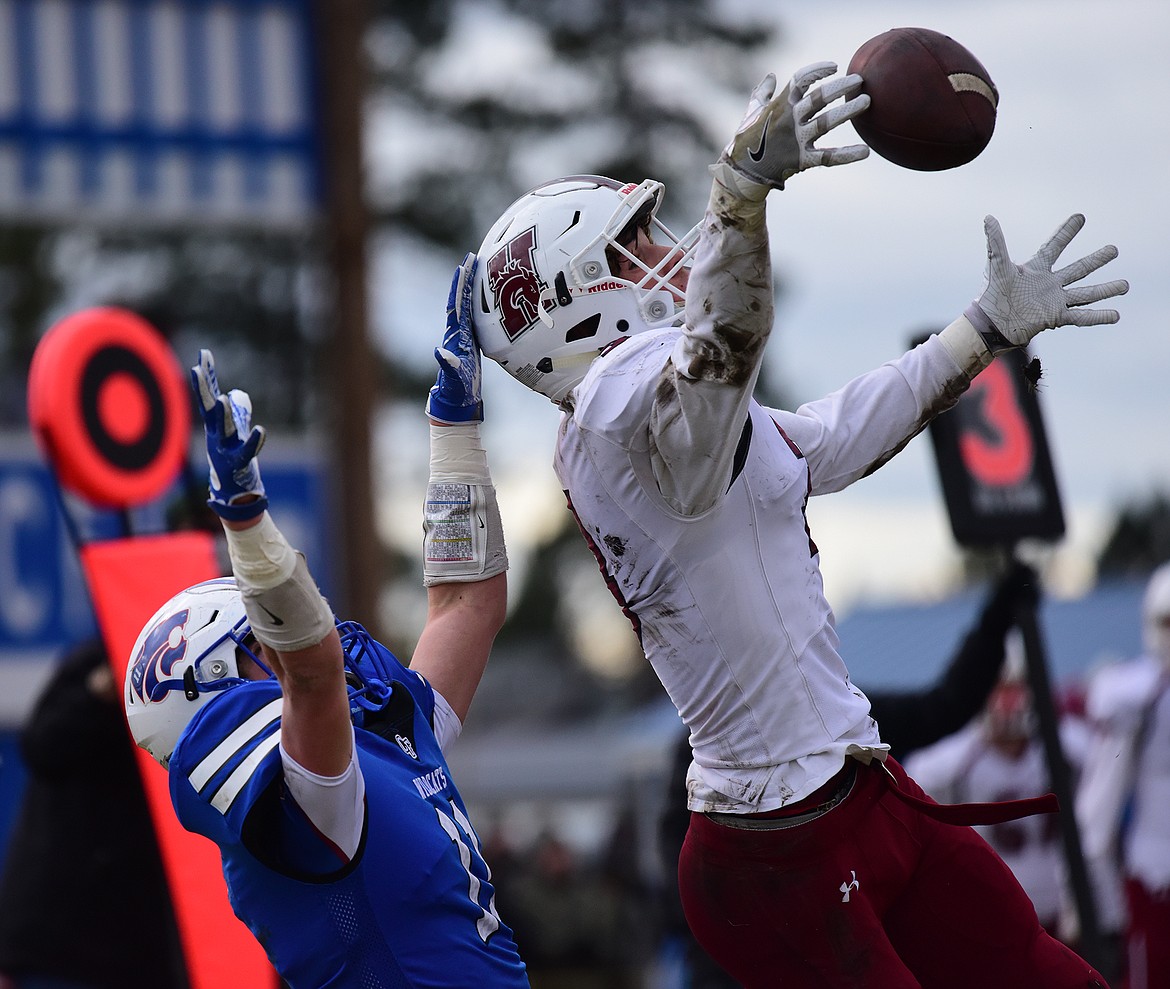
{"type": "Point", "coordinates": [433, 782]}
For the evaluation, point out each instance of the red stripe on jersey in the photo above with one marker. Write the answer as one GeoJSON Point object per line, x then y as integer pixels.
{"type": "Point", "coordinates": [812, 546]}
{"type": "Point", "coordinates": [609, 580]}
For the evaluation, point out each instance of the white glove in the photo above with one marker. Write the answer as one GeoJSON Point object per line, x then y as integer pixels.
{"type": "Point", "coordinates": [776, 136]}
{"type": "Point", "coordinates": [1021, 300]}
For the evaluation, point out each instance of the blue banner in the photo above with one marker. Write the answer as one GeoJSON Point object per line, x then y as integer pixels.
{"type": "Point", "coordinates": [158, 110]}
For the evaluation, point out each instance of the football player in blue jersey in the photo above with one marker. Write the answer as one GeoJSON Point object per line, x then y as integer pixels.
{"type": "Point", "coordinates": [305, 750]}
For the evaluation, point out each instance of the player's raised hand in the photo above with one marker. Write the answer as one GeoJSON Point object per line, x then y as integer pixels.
{"type": "Point", "coordinates": [455, 396]}
{"type": "Point", "coordinates": [776, 138]}
{"type": "Point", "coordinates": [1020, 300]}
{"type": "Point", "coordinates": [237, 492]}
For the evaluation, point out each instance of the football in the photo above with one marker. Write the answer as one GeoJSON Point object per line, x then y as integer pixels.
{"type": "Point", "coordinates": [932, 104]}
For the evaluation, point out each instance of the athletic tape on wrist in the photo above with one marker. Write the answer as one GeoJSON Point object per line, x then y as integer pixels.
{"type": "Point", "coordinates": [284, 606]}
{"type": "Point", "coordinates": [291, 615]}
{"type": "Point", "coordinates": [457, 454]}
{"type": "Point", "coordinates": [261, 556]}
{"type": "Point", "coordinates": [966, 346]}
{"type": "Point", "coordinates": [463, 537]}
{"type": "Point", "coordinates": [734, 193]}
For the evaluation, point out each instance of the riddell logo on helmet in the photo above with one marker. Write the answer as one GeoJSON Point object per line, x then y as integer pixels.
{"type": "Point", "coordinates": [164, 647]}
{"type": "Point", "coordinates": [515, 285]}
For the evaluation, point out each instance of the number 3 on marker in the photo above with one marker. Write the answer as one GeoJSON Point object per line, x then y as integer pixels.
{"type": "Point", "coordinates": [464, 837]}
{"type": "Point", "coordinates": [1007, 459]}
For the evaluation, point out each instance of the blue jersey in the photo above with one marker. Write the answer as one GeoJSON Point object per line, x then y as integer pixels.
{"type": "Point", "coordinates": [415, 907]}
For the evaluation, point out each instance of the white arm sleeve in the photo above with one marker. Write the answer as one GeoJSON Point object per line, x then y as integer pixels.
{"type": "Point", "coordinates": [852, 432]}
{"type": "Point", "coordinates": [447, 723]}
{"type": "Point", "coordinates": [335, 804]}
{"type": "Point", "coordinates": [707, 385]}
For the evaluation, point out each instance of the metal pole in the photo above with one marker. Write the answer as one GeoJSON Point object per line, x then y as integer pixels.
{"type": "Point", "coordinates": [1091, 947]}
{"type": "Point", "coordinates": [340, 25]}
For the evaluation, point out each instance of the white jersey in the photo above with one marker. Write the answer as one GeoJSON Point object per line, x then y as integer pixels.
{"type": "Point", "coordinates": [692, 496]}
{"type": "Point", "coordinates": [1125, 789]}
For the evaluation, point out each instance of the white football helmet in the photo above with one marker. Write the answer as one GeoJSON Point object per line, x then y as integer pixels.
{"type": "Point", "coordinates": [184, 656]}
{"type": "Point", "coordinates": [546, 299]}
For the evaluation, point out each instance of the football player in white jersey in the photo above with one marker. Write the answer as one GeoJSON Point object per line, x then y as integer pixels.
{"type": "Point", "coordinates": [1125, 790]}
{"type": "Point", "coordinates": [811, 859]}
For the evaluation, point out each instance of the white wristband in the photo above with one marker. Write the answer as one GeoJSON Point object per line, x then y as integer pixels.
{"type": "Point", "coordinates": [732, 191]}
{"type": "Point", "coordinates": [284, 606]}
{"type": "Point", "coordinates": [463, 537]}
{"type": "Point", "coordinates": [290, 616]}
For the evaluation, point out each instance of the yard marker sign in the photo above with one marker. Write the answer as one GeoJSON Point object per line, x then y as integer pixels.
{"type": "Point", "coordinates": [111, 413]}
{"type": "Point", "coordinates": [994, 462]}
{"type": "Point", "coordinates": [1000, 488]}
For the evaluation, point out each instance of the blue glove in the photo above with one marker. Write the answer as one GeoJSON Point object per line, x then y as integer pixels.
{"type": "Point", "coordinates": [237, 493]}
{"type": "Point", "coordinates": [455, 396]}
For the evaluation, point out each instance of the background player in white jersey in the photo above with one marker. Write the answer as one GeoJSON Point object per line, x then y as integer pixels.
{"type": "Point", "coordinates": [1000, 756]}
{"type": "Point", "coordinates": [306, 751]}
{"type": "Point", "coordinates": [1125, 792]}
{"type": "Point", "coordinates": [807, 862]}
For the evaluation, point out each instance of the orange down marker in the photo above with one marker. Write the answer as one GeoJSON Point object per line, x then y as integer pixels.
{"type": "Point", "coordinates": [110, 409]}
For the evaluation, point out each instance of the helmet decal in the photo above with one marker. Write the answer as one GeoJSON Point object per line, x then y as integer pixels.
{"type": "Point", "coordinates": [163, 647]}
{"type": "Point", "coordinates": [515, 285]}
{"type": "Point", "coordinates": [188, 649]}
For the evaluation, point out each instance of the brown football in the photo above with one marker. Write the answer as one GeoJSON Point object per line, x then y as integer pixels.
{"type": "Point", "coordinates": [932, 104]}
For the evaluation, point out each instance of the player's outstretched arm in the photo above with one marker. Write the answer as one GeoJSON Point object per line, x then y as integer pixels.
{"type": "Point", "coordinates": [777, 137]}
{"type": "Point", "coordinates": [702, 403]}
{"type": "Point", "coordinates": [464, 557]}
{"type": "Point", "coordinates": [288, 615]}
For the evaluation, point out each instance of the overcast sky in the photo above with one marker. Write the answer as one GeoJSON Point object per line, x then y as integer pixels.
{"type": "Point", "coordinates": [881, 251]}
{"type": "Point", "coordinates": [874, 253]}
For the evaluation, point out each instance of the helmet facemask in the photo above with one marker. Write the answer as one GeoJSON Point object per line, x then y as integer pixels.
{"type": "Point", "coordinates": [659, 299]}
{"type": "Point", "coordinates": [366, 676]}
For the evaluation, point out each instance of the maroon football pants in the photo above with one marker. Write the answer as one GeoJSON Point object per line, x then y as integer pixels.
{"type": "Point", "coordinates": [874, 894]}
